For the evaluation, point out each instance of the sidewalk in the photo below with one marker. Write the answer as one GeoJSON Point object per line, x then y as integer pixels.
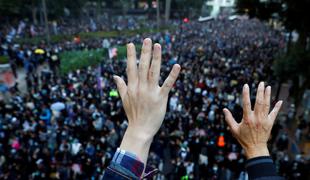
{"type": "Point", "coordinates": [21, 80]}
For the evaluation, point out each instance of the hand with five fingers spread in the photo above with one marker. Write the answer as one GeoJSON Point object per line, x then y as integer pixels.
{"type": "Point", "coordinates": [143, 99]}
{"type": "Point", "coordinates": [255, 127]}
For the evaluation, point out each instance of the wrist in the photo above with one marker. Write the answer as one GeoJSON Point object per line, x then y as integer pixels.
{"type": "Point", "coordinates": [256, 151]}
{"type": "Point", "coordinates": [137, 143]}
{"type": "Point", "coordinates": [138, 134]}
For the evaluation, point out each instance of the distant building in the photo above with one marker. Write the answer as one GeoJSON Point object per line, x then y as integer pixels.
{"type": "Point", "coordinates": [213, 8]}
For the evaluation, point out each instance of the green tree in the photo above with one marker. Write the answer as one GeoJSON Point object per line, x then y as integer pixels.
{"type": "Point", "coordinates": [187, 8]}
{"type": "Point", "coordinates": [247, 6]}
{"type": "Point", "coordinates": [10, 7]}
{"type": "Point", "coordinates": [262, 9]}
{"type": "Point", "coordinates": [167, 10]}
{"type": "Point", "coordinates": [295, 15]}
{"type": "Point", "coordinates": [13, 8]}
{"type": "Point", "coordinates": [295, 64]}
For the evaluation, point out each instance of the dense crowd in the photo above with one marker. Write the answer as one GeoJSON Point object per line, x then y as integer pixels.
{"type": "Point", "coordinates": [68, 127]}
{"type": "Point", "coordinates": [25, 29]}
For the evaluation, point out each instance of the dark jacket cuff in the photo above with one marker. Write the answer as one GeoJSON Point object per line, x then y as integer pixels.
{"type": "Point", "coordinates": [260, 167]}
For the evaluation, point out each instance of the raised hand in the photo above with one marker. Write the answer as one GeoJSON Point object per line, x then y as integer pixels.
{"type": "Point", "coordinates": [255, 127]}
{"type": "Point", "coordinates": [143, 99]}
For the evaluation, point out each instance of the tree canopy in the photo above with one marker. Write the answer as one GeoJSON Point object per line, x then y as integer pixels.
{"type": "Point", "coordinates": [295, 16]}
{"type": "Point", "coordinates": [258, 8]}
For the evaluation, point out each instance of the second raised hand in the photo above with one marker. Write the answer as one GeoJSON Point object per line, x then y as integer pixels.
{"type": "Point", "coordinates": [255, 127]}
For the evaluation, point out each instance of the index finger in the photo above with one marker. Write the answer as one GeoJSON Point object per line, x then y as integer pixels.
{"type": "Point", "coordinates": [173, 75]}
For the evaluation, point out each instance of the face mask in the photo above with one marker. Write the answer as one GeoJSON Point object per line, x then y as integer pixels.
{"type": "Point", "coordinates": [215, 168]}
{"type": "Point", "coordinates": [183, 154]}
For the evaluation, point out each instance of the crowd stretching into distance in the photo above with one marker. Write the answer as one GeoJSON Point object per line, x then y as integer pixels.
{"type": "Point", "coordinates": [68, 126]}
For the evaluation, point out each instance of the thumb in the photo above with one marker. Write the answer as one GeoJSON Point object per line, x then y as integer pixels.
{"type": "Point", "coordinates": [273, 114]}
{"type": "Point", "coordinates": [121, 85]}
{"type": "Point", "coordinates": [173, 75]}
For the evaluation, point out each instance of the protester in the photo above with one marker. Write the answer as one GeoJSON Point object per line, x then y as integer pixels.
{"type": "Point", "coordinates": [79, 140]}
{"type": "Point", "coordinates": [145, 104]}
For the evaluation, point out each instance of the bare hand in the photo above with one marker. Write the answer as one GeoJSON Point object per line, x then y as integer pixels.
{"type": "Point", "coordinates": [254, 130]}
{"type": "Point", "coordinates": [143, 99]}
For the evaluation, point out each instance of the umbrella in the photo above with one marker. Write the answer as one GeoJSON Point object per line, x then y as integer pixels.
{"type": "Point", "coordinates": [39, 51]}
{"type": "Point", "coordinates": [58, 106]}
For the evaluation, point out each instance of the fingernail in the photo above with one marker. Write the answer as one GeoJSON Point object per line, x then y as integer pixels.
{"type": "Point", "coordinates": [147, 41]}
{"type": "Point", "coordinates": [114, 77]}
{"type": "Point", "coordinates": [245, 86]}
{"type": "Point", "coordinates": [177, 66]}
{"type": "Point", "coordinates": [157, 46]}
{"type": "Point", "coordinates": [262, 83]}
{"type": "Point", "coordinates": [279, 104]}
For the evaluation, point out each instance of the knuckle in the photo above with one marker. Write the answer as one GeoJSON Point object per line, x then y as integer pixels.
{"type": "Point", "coordinates": [173, 75]}
{"type": "Point", "coordinates": [247, 103]}
{"type": "Point", "coordinates": [145, 51]}
{"type": "Point", "coordinates": [246, 119]}
{"type": "Point", "coordinates": [259, 101]}
{"type": "Point", "coordinates": [152, 74]}
{"type": "Point", "coordinates": [156, 57]}
{"type": "Point", "coordinates": [168, 85]}
{"type": "Point", "coordinates": [141, 68]}
{"type": "Point", "coordinates": [129, 54]}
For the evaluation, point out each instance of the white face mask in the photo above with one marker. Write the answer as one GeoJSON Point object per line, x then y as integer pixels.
{"type": "Point", "coordinates": [183, 154]}
{"type": "Point", "coordinates": [215, 168]}
{"type": "Point", "coordinates": [286, 158]}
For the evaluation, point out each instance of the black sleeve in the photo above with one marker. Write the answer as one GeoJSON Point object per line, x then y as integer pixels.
{"type": "Point", "coordinates": [262, 168]}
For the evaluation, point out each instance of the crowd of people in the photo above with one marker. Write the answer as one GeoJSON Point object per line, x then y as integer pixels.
{"type": "Point", "coordinates": [68, 127]}
{"type": "Point", "coordinates": [26, 29]}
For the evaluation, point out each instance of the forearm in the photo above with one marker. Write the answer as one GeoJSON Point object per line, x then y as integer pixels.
{"type": "Point", "coordinates": [144, 102]}
{"type": "Point", "coordinates": [137, 143]}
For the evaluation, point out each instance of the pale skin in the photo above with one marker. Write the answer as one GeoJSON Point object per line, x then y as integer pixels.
{"type": "Point", "coordinates": [145, 103]}
{"type": "Point", "coordinates": [255, 127]}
